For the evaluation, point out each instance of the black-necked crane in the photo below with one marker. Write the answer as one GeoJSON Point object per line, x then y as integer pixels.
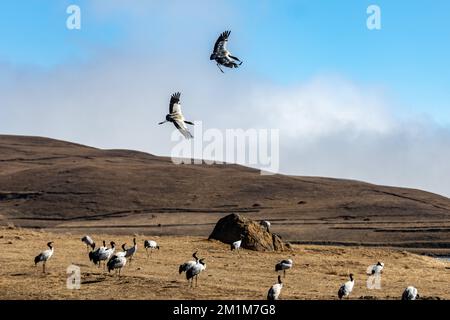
{"type": "Point", "coordinates": [237, 244]}
{"type": "Point", "coordinates": [130, 252]}
{"type": "Point", "coordinates": [104, 254]}
{"type": "Point", "coordinates": [193, 272]}
{"type": "Point", "coordinates": [116, 262]}
{"type": "Point", "coordinates": [221, 54]}
{"type": "Point", "coordinates": [265, 224]}
{"type": "Point", "coordinates": [189, 264]}
{"type": "Point", "coordinates": [150, 244]}
{"type": "Point", "coordinates": [93, 255]}
{"type": "Point", "coordinates": [176, 116]}
{"type": "Point", "coordinates": [410, 293]}
{"type": "Point", "coordinates": [90, 244]}
{"type": "Point", "coordinates": [275, 290]}
{"type": "Point", "coordinates": [122, 253]}
{"type": "Point", "coordinates": [284, 265]}
{"type": "Point", "coordinates": [44, 256]}
{"type": "Point", "coordinates": [346, 288]}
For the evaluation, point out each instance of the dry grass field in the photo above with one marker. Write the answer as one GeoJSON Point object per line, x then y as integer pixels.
{"type": "Point", "coordinates": [317, 273]}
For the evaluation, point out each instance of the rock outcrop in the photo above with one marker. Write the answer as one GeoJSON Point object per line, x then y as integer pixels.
{"type": "Point", "coordinates": [255, 236]}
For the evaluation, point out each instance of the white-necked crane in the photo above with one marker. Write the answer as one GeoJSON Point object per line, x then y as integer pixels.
{"type": "Point", "coordinates": [284, 265]}
{"type": "Point", "coordinates": [44, 256]}
{"type": "Point", "coordinates": [193, 272]}
{"type": "Point", "coordinates": [221, 54]}
{"type": "Point", "coordinates": [275, 290]}
{"type": "Point", "coordinates": [176, 116]}
{"type": "Point", "coordinates": [189, 264]}
{"type": "Point", "coordinates": [150, 244]}
{"type": "Point", "coordinates": [346, 288]}
{"type": "Point", "coordinates": [116, 262]}
{"type": "Point", "coordinates": [410, 293]}
{"type": "Point", "coordinates": [89, 242]}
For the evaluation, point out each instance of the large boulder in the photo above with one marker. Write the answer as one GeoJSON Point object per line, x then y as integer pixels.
{"type": "Point", "coordinates": [256, 236]}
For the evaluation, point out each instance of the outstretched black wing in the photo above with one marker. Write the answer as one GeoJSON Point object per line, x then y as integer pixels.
{"type": "Point", "coordinates": [221, 44]}
{"type": "Point", "coordinates": [174, 102]}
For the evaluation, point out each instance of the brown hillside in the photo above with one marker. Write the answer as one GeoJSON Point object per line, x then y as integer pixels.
{"type": "Point", "coordinates": [65, 186]}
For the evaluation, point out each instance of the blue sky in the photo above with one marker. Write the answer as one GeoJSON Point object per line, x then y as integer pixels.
{"type": "Point", "coordinates": [349, 102]}
{"type": "Point", "coordinates": [284, 41]}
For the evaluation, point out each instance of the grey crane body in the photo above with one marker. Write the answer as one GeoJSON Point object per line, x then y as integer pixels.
{"type": "Point", "coordinates": [150, 245]}
{"type": "Point", "coordinates": [221, 55]}
{"type": "Point", "coordinates": [410, 293]}
{"type": "Point", "coordinates": [189, 264]}
{"type": "Point", "coordinates": [44, 256]}
{"type": "Point", "coordinates": [346, 288]}
{"type": "Point", "coordinates": [235, 246]}
{"type": "Point", "coordinates": [193, 272]}
{"type": "Point", "coordinates": [116, 262]}
{"type": "Point", "coordinates": [90, 244]}
{"type": "Point", "coordinates": [176, 117]}
{"type": "Point", "coordinates": [284, 265]}
{"type": "Point", "coordinates": [130, 252]}
{"type": "Point", "coordinates": [275, 290]}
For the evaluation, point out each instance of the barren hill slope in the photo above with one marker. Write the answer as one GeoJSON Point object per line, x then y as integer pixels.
{"type": "Point", "coordinates": [63, 186]}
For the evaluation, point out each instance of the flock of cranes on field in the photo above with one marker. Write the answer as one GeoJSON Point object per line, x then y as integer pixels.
{"type": "Point", "coordinates": [222, 57]}
{"type": "Point", "coordinates": [113, 260]}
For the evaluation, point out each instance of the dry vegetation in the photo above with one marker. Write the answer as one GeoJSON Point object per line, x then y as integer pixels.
{"type": "Point", "coordinates": [318, 270]}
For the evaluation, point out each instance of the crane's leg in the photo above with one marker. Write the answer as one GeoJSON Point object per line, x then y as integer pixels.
{"type": "Point", "coordinates": [235, 58]}
{"type": "Point", "coordinates": [284, 273]}
{"type": "Point", "coordinates": [43, 267]}
{"type": "Point", "coordinates": [196, 281]}
{"type": "Point", "coordinates": [146, 250]}
{"type": "Point", "coordinates": [220, 68]}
